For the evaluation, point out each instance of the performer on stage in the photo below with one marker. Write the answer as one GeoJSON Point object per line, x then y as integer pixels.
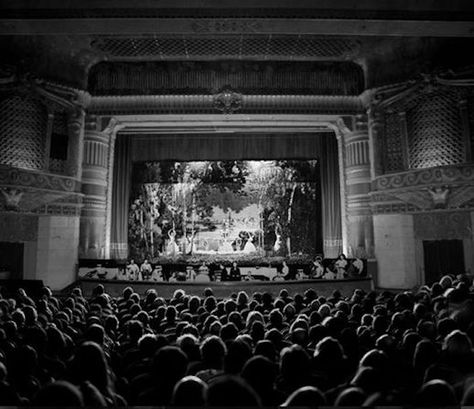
{"type": "Point", "coordinates": [226, 248]}
{"type": "Point", "coordinates": [278, 242]}
{"type": "Point", "coordinates": [249, 246]}
{"type": "Point", "coordinates": [133, 270]}
{"type": "Point", "coordinates": [172, 249]}
{"type": "Point", "coordinates": [145, 270]}
{"type": "Point", "coordinates": [285, 270]}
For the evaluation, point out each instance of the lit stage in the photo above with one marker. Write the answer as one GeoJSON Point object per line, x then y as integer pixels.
{"type": "Point", "coordinates": [225, 289]}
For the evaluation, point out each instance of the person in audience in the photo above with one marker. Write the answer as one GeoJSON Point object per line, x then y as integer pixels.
{"type": "Point", "coordinates": [203, 274]}
{"type": "Point", "coordinates": [406, 348]}
{"type": "Point", "coordinates": [190, 273]}
{"type": "Point", "coordinates": [234, 272]}
{"type": "Point", "coordinates": [341, 266]}
{"type": "Point", "coordinates": [133, 270]}
{"type": "Point", "coordinates": [221, 273]}
{"type": "Point", "coordinates": [317, 268]}
{"type": "Point", "coordinates": [157, 274]}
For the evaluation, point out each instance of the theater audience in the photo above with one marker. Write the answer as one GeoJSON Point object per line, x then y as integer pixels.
{"type": "Point", "coordinates": [360, 349]}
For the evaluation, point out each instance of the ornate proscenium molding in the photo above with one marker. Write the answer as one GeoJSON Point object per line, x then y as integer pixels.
{"type": "Point", "coordinates": [228, 101]}
{"type": "Point", "coordinates": [226, 25]}
{"type": "Point", "coordinates": [206, 104]}
{"type": "Point", "coordinates": [387, 96]}
{"type": "Point", "coordinates": [62, 96]}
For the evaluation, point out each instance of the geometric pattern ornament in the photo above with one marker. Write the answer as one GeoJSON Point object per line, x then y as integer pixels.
{"type": "Point", "coordinates": [22, 132]}
{"type": "Point", "coordinates": [434, 128]}
{"type": "Point", "coordinates": [233, 46]}
{"type": "Point", "coordinates": [393, 144]}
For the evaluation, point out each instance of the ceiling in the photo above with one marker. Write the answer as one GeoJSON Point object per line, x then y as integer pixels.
{"type": "Point", "coordinates": [391, 41]}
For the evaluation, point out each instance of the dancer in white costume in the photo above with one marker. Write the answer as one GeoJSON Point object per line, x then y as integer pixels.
{"type": "Point", "coordinates": [172, 248]}
{"type": "Point", "coordinates": [226, 248]}
{"type": "Point", "coordinates": [277, 245]}
{"type": "Point", "coordinates": [249, 246]}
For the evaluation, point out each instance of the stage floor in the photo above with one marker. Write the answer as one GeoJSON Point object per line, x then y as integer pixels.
{"type": "Point", "coordinates": [225, 289]}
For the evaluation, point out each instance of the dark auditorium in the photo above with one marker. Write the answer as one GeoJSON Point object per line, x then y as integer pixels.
{"type": "Point", "coordinates": [222, 203]}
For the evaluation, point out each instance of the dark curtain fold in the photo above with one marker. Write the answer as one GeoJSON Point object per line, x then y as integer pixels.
{"type": "Point", "coordinates": [330, 195]}
{"type": "Point", "coordinates": [120, 197]}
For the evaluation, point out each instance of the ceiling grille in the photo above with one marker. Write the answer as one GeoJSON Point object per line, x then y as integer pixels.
{"type": "Point", "coordinates": [240, 47]}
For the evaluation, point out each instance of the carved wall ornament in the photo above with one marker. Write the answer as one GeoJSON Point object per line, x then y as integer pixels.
{"type": "Point", "coordinates": [424, 199]}
{"type": "Point", "coordinates": [228, 101]}
{"type": "Point", "coordinates": [439, 195]}
{"type": "Point", "coordinates": [12, 197]}
{"type": "Point", "coordinates": [18, 178]}
{"type": "Point", "coordinates": [61, 97]}
{"type": "Point", "coordinates": [444, 175]}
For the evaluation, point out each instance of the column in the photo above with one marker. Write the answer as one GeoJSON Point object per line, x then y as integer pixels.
{"type": "Point", "coordinates": [94, 187]}
{"type": "Point", "coordinates": [358, 179]}
{"type": "Point", "coordinates": [75, 130]}
{"type": "Point", "coordinates": [375, 134]}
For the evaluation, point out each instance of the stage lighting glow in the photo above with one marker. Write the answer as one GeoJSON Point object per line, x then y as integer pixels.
{"type": "Point", "coordinates": [233, 208]}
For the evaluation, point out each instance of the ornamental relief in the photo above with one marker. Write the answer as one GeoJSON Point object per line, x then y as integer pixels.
{"type": "Point", "coordinates": [424, 199]}
{"type": "Point", "coordinates": [29, 200]}
{"type": "Point", "coordinates": [14, 177]}
{"type": "Point", "coordinates": [438, 175]}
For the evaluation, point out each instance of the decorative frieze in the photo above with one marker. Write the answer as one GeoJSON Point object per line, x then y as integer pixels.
{"type": "Point", "coordinates": [170, 104]}
{"type": "Point", "coordinates": [437, 175]}
{"type": "Point", "coordinates": [15, 177]}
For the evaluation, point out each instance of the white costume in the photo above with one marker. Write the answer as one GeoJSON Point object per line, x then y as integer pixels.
{"type": "Point", "coordinates": [172, 249]}
{"type": "Point", "coordinates": [249, 246]}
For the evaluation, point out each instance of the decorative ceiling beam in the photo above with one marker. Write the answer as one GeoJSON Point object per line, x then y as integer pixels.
{"type": "Point", "coordinates": [160, 26]}
{"type": "Point", "coordinates": [225, 102]}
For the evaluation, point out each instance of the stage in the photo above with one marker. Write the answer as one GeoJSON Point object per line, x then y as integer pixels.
{"type": "Point", "coordinates": [225, 289]}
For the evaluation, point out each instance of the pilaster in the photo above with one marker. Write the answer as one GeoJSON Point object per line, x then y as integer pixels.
{"type": "Point", "coordinates": [358, 185]}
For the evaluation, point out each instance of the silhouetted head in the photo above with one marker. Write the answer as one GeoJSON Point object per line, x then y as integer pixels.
{"type": "Point", "coordinates": [307, 396]}
{"type": "Point", "coordinates": [351, 397]}
{"type": "Point", "coordinates": [436, 393]}
{"type": "Point", "coordinates": [59, 393]}
{"type": "Point", "coordinates": [189, 391]}
{"type": "Point", "coordinates": [231, 391]}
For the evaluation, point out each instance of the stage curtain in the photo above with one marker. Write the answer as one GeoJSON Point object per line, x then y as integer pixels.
{"type": "Point", "coordinates": [330, 195]}
{"type": "Point", "coordinates": [322, 146]}
{"type": "Point", "coordinates": [120, 197]}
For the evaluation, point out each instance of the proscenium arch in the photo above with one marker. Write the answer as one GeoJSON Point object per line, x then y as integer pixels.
{"type": "Point", "coordinates": [198, 124]}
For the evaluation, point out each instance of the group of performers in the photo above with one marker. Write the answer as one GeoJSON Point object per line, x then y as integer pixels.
{"type": "Point", "coordinates": [326, 269]}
